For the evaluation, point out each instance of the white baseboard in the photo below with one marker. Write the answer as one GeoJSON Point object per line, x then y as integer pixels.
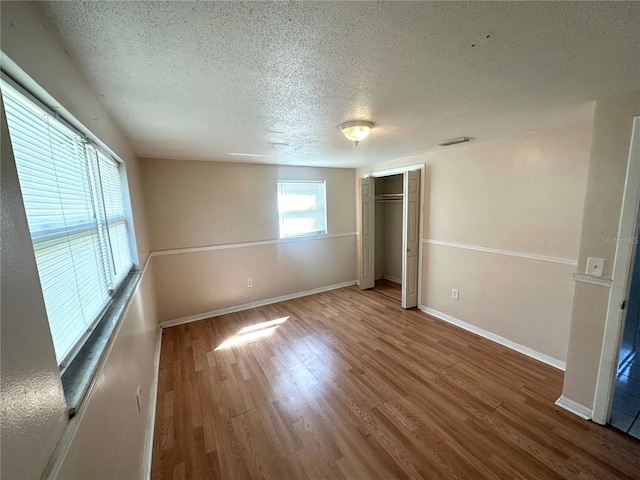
{"type": "Point", "coordinates": [544, 358]}
{"type": "Point", "coordinates": [247, 306]}
{"type": "Point", "coordinates": [574, 407]}
{"type": "Point", "coordinates": [153, 400]}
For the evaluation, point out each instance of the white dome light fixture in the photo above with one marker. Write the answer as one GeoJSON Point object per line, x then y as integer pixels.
{"type": "Point", "coordinates": [356, 130]}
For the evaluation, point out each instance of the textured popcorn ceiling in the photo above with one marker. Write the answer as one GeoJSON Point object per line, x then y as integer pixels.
{"type": "Point", "coordinates": [201, 80]}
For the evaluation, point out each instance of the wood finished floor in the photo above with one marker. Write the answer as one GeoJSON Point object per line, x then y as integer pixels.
{"type": "Point", "coordinates": [351, 386]}
{"type": "Point", "coordinates": [388, 289]}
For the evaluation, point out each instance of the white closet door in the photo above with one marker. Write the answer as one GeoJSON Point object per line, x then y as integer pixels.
{"type": "Point", "coordinates": [367, 233]}
{"type": "Point", "coordinates": [410, 239]}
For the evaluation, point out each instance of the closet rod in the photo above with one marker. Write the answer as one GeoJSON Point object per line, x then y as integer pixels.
{"type": "Point", "coordinates": [389, 196]}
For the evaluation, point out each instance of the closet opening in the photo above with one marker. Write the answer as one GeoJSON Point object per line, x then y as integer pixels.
{"type": "Point", "coordinates": [390, 234]}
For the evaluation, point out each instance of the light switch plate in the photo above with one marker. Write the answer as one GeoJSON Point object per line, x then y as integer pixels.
{"type": "Point", "coordinates": [595, 266]}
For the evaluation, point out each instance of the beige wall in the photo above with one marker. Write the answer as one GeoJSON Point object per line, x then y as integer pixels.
{"type": "Point", "coordinates": [607, 172]}
{"type": "Point", "coordinates": [525, 301]}
{"type": "Point", "coordinates": [521, 195]}
{"type": "Point", "coordinates": [379, 240]}
{"type": "Point", "coordinates": [105, 433]}
{"type": "Point", "coordinates": [112, 435]}
{"type": "Point", "coordinates": [392, 238]}
{"type": "Point", "coordinates": [388, 242]}
{"type": "Point", "coordinates": [524, 193]}
{"type": "Point", "coordinates": [194, 203]}
{"type": "Point", "coordinates": [209, 204]}
{"type": "Point", "coordinates": [196, 283]}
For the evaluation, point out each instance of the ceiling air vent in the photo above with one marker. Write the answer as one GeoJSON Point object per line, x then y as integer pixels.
{"type": "Point", "coordinates": [455, 141]}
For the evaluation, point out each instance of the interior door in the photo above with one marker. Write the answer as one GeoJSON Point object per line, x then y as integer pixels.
{"type": "Point", "coordinates": [367, 233]}
{"type": "Point", "coordinates": [631, 328]}
{"type": "Point", "coordinates": [410, 238]}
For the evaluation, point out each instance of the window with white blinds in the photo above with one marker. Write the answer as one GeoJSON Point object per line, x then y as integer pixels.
{"type": "Point", "coordinates": [74, 197]}
{"type": "Point", "coordinates": [302, 207]}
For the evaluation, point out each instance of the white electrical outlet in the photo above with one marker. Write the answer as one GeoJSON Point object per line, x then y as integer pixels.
{"type": "Point", "coordinates": [455, 294]}
{"type": "Point", "coordinates": [249, 283]}
{"type": "Point", "coordinates": [595, 266]}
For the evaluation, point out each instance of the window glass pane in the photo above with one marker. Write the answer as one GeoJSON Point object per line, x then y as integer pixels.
{"type": "Point", "coordinates": [302, 208]}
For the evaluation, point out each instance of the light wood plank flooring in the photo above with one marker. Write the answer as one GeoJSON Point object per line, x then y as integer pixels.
{"type": "Point", "coordinates": [351, 386]}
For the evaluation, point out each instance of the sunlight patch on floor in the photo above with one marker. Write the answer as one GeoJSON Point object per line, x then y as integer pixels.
{"type": "Point", "coordinates": [252, 333]}
{"type": "Point", "coordinates": [261, 325]}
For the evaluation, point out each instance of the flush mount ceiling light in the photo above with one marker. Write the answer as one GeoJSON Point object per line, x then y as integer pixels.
{"type": "Point", "coordinates": [356, 130]}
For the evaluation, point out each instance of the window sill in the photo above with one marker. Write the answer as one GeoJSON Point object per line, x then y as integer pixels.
{"type": "Point", "coordinates": [80, 373]}
{"type": "Point", "coordinates": [304, 235]}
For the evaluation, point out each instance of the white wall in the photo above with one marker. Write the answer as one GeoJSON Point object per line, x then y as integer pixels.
{"type": "Point", "coordinates": [106, 438]}
{"type": "Point", "coordinates": [518, 196]}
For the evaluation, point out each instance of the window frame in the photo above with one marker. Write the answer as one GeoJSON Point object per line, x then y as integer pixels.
{"type": "Point", "coordinates": [315, 233]}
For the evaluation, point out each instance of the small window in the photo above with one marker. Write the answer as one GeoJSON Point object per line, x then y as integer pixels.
{"type": "Point", "coordinates": [303, 208]}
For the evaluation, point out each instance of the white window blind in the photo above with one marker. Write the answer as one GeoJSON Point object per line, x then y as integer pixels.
{"type": "Point", "coordinates": [302, 208]}
{"type": "Point", "coordinates": [74, 200]}
{"type": "Point", "coordinates": [113, 196]}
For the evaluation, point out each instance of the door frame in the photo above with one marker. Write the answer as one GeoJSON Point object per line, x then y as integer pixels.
{"type": "Point", "coordinates": [620, 283]}
{"type": "Point", "coordinates": [397, 171]}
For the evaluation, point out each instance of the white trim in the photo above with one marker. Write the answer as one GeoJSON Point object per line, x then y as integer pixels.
{"type": "Point", "coordinates": [226, 246]}
{"type": "Point", "coordinates": [541, 357]}
{"type": "Point", "coordinates": [621, 279]}
{"type": "Point", "coordinates": [394, 171]}
{"type": "Point", "coordinates": [590, 279]}
{"type": "Point", "coordinates": [247, 306]}
{"type": "Point", "coordinates": [574, 407]}
{"type": "Point", "coordinates": [392, 279]}
{"type": "Point", "coordinates": [153, 401]}
{"type": "Point", "coordinates": [512, 253]}
{"type": "Point", "coordinates": [423, 188]}
{"type": "Point", "coordinates": [144, 269]}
